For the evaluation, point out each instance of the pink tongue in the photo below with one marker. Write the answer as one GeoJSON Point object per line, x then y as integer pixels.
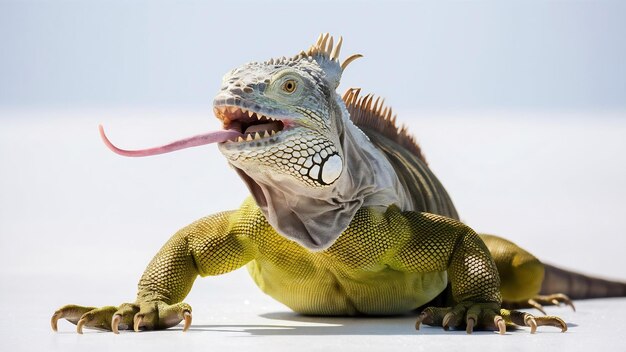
{"type": "Point", "coordinates": [201, 139]}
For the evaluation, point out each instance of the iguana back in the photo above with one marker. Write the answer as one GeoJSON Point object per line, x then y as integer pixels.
{"type": "Point", "coordinates": [378, 123]}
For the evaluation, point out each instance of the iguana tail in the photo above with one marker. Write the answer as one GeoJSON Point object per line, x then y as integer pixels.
{"type": "Point", "coordinates": [579, 286]}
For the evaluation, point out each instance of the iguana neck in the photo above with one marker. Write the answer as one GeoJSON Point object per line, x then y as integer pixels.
{"type": "Point", "coordinates": [316, 217]}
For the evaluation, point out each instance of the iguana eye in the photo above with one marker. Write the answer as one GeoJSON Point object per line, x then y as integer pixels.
{"type": "Point", "coordinates": [289, 86]}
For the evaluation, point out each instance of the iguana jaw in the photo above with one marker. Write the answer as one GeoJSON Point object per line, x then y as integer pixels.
{"type": "Point", "coordinates": [281, 146]}
{"type": "Point", "coordinates": [252, 125]}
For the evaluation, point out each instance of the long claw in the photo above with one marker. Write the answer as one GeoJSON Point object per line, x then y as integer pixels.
{"type": "Point", "coordinates": [552, 321]}
{"type": "Point", "coordinates": [556, 299]}
{"type": "Point", "coordinates": [79, 325]}
{"type": "Point", "coordinates": [536, 305]}
{"type": "Point", "coordinates": [499, 322]}
{"type": "Point", "coordinates": [571, 304]}
{"type": "Point", "coordinates": [54, 321]}
{"type": "Point", "coordinates": [446, 321]}
{"type": "Point", "coordinates": [187, 317]}
{"type": "Point", "coordinates": [115, 323]}
{"type": "Point", "coordinates": [138, 321]}
{"type": "Point", "coordinates": [420, 319]}
{"type": "Point", "coordinates": [470, 325]}
{"type": "Point", "coordinates": [563, 298]}
{"type": "Point", "coordinates": [530, 321]}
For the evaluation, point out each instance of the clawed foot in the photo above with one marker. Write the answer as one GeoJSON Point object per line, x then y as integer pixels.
{"type": "Point", "coordinates": [556, 299]}
{"type": "Point", "coordinates": [128, 316]}
{"type": "Point", "coordinates": [484, 316]}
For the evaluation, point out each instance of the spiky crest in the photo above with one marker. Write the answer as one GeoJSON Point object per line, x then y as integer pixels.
{"type": "Point", "coordinates": [326, 54]}
{"type": "Point", "coordinates": [368, 113]}
{"type": "Point", "coordinates": [324, 47]}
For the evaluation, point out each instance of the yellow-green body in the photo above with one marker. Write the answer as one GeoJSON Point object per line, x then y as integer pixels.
{"type": "Point", "coordinates": [386, 262]}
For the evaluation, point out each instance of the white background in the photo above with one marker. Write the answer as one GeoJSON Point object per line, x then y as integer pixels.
{"type": "Point", "coordinates": [520, 108]}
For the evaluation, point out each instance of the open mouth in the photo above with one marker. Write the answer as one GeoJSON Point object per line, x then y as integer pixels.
{"type": "Point", "coordinates": [239, 125]}
{"type": "Point", "coordinates": [250, 124]}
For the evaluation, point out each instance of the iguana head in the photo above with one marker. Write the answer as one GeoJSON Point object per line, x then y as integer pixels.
{"type": "Point", "coordinates": [288, 135]}
{"type": "Point", "coordinates": [287, 113]}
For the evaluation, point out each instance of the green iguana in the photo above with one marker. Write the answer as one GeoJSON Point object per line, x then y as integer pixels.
{"type": "Point", "coordinates": [345, 217]}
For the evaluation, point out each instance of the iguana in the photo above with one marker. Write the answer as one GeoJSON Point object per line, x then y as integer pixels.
{"type": "Point", "coordinates": [344, 218]}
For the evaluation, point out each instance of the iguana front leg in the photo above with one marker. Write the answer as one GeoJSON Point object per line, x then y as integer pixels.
{"type": "Point", "coordinates": [439, 243]}
{"type": "Point", "coordinates": [206, 247]}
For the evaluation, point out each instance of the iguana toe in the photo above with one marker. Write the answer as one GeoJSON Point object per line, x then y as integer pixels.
{"type": "Point", "coordinates": [532, 323]}
{"type": "Point", "coordinates": [518, 318]}
{"type": "Point", "coordinates": [553, 299]}
{"type": "Point", "coordinates": [99, 318]}
{"type": "Point", "coordinates": [453, 318]}
{"type": "Point", "coordinates": [552, 321]}
{"type": "Point", "coordinates": [536, 305]}
{"type": "Point", "coordinates": [159, 315]}
{"type": "Point", "coordinates": [79, 325]}
{"type": "Point", "coordinates": [187, 317]}
{"type": "Point", "coordinates": [115, 323]}
{"type": "Point", "coordinates": [123, 317]}
{"type": "Point", "coordinates": [499, 322]}
{"type": "Point", "coordinates": [431, 316]}
{"type": "Point", "coordinates": [469, 328]}
{"type": "Point", "coordinates": [70, 312]}
{"type": "Point", "coordinates": [138, 322]}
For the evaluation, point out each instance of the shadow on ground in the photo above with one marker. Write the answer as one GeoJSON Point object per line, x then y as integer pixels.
{"type": "Point", "coordinates": [295, 325]}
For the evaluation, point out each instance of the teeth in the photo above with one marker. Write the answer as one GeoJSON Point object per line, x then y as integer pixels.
{"type": "Point", "coordinates": [256, 135]}
{"type": "Point", "coordinates": [221, 110]}
{"type": "Point", "coordinates": [224, 113]}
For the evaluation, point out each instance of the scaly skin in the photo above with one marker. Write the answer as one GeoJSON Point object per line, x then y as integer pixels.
{"type": "Point", "coordinates": [384, 263]}
{"type": "Point", "coordinates": [289, 137]}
